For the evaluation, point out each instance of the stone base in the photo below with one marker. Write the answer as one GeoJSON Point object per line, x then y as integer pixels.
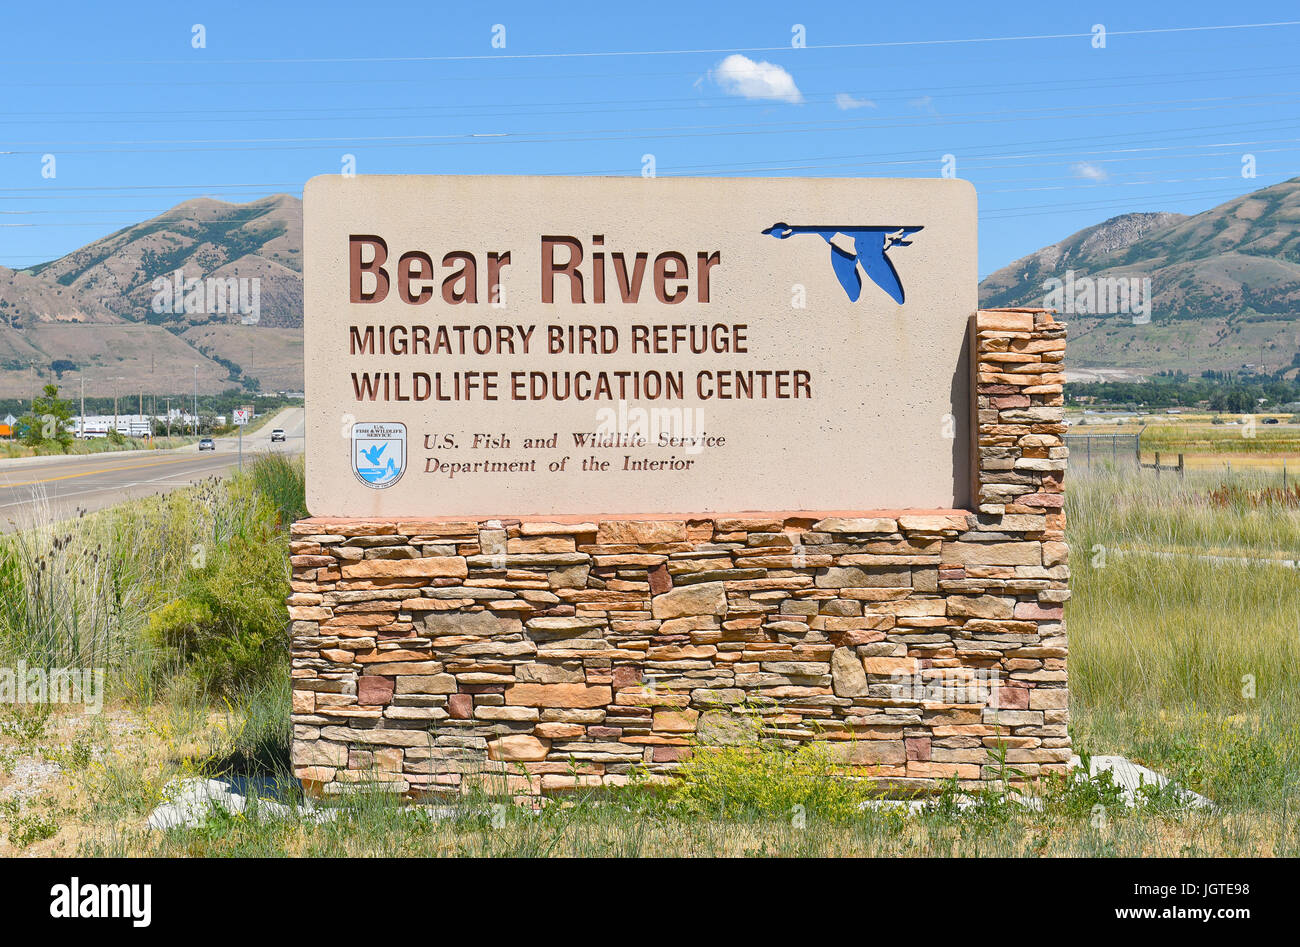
{"type": "Point", "coordinates": [533, 656]}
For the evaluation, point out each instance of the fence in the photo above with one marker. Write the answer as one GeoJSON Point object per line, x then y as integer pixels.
{"type": "Point", "coordinates": [1157, 466]}
{"type": "Point", "coordinates": [1115, 448]}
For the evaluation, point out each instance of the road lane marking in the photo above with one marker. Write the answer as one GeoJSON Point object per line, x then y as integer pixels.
{"type": "Point", "coordinates": [91, 473]}
{"type": "Point", "coordinates": [115, 487]}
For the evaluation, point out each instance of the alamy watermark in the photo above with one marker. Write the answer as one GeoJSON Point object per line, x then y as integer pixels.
{"type": "Point", "coordinates": [631, 426]}
{"type": "Point", "coordinates": [78, 899]}
{"type": "Point", "coordinates": [36, 685]}
{"type": "Point", "coordinates": [211, 296]}
{"type": "Point", "coordinates": [1102, 295]}
{"type": "Point", "coordinates": [948, 686]}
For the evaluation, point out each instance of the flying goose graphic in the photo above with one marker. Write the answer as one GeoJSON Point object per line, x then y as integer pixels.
{"type": "Point", "coordinates": [869, 249]}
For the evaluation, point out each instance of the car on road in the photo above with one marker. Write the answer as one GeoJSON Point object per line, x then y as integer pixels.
{"type": "Point", "coordinates": [1272, 421]}
{"type": "Point", "coordinates": [207, 443]}
{"type": "Point", "coordinates": [277, 435]}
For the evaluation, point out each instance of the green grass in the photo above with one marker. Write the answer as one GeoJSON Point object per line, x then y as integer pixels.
{"type": "Point", "coordinates": [644, 821]}
{"type": "Point", "coordinates": [1183, 663]}
{"type": "Point", "coordinates": [1158, 633]}
{"type": "Point", "coordinates": [1121, 509]}
{"type": "Point", "coordinates": [98, 445]}
{"type": "Point", "coordinates": [1187, 663]}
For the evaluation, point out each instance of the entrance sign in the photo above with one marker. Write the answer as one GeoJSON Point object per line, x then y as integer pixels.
{"type": "Point", "coordinates": [514, 346]}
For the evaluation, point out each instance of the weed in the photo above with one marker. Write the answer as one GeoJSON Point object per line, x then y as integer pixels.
{"type": "Point", "coordinates": [26, 827]}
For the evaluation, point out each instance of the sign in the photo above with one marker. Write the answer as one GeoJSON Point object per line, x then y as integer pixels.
{"type": "Point", "coordinates": [243, 416]}
{"type": "Point", "coordinates": [509, 346]}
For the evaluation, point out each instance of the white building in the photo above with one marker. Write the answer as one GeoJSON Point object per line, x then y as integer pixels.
{"type": "Point", "coordinates": [98, 425]}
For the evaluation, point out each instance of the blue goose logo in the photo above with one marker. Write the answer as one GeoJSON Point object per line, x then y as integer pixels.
{"type": "Point", "coordinates": [379, 453]}
{"type": "Point", "coordinates": [870, 246]}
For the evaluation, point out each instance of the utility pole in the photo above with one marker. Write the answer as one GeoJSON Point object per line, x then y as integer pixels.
{"type": "Point", "coordinates": [83, 406]}
{"type": "Point", "coordinates": [196, 400]}
{"type": "Point", "coordinates": [116, 382]}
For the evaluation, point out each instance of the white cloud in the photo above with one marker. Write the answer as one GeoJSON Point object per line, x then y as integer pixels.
{"type": "Point", "coordinates": [1090, 172]}
{"type": "Point", "coordinates": [740, 75]}
{"type": "Point", "coordinates": [924, 103]}
{"type": "Point", "coordinates": [846, 101]}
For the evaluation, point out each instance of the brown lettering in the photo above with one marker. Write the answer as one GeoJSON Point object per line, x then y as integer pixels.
{"type": "Point", "coordinates": [705, 262]}
{"type": "Point", "coordinates": [629, 289]}
{"type": "Point", "coordinates": [496, 263]}
{"type": "Point", "coordinates": [679, 271]}
{"type": "Point", "coordinates": [357, 268]}
{"type": "Point", "coordinates": [550, 269]}
{"type": "Point", "coordinates": [467, 275]}
{"type": "Point", "coordinates": [415, 265]}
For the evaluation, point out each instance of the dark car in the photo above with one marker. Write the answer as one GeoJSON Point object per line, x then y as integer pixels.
{"type": "Point", "coordinates": [277, 435]}
{"type": "Point", "coordinates": [207, 443]}
{"type": "Point", "coordinates": [1271, 421]}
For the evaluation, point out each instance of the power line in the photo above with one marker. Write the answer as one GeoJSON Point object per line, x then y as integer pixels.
{"type": "Point", "coordinates": [307, 143]}
{"type": "Point", "coordinates": [1030, 209]}
{"type": "Point", "coordinates": [245, 215]}
{"type": "Point", "coordinates": [1067, 172]}
{"type": "Point", "coordinates": [492, 76]}
{"type": "Point", "coordinates": [497, 57]}
{"type": "Point", "coordinates": [976, 154]}
{"type": "Point", "coordinates": [976, 157]}
{"type": "Point", "coordinates": [719, 102]}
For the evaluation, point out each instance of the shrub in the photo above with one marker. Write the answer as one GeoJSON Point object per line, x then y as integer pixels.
{"type": "Point", "coordinates": [766, 780]}
{"type": "Point", "coordinates": [229, 627]}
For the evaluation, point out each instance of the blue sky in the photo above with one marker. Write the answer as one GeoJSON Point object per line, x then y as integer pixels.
{"type": "Point", "coordinates": [1055, 133]}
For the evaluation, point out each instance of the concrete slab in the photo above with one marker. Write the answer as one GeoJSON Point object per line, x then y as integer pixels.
{"type": "Point", "coordinates": [193, 802]}
{"type": "Point", "coordinates": [1131, 775]}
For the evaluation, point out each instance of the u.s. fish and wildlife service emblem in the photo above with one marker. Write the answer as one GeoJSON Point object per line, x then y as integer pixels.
{"type": "Point", "coordinates": [379, 453]}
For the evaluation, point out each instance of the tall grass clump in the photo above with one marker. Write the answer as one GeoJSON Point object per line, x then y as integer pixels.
{"type": "Point", "coordinates": [1119, 507]}
{"type": "Point", "coordinates": [226, 629]}
{"type": "Point", "coordinates": [1156, 632]}
{"type": "Point", "coordinates": [1176, 599]}
{"type": "Point", "coordinates": [70, 593]}
{"type": "Point", "coordinates": [281, 479]}
{"type": "Point", "coordinates": [184, 589]}
{"type": "Point", "coordinates": [1184, 629]}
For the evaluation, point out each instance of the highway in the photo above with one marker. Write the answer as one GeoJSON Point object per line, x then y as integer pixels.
{"type": "Point", "coordinates": [41, 489]}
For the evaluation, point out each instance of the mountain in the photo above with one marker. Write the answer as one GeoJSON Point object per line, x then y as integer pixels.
{"type": "Point", "coordinates": [1225, 293]}
{"type": "Point", "coordinates": [202, 238]}
{"type": "Point", "coordinates": [1224, 286]}
{"type": "Point", "coordinates": [94, 309]}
